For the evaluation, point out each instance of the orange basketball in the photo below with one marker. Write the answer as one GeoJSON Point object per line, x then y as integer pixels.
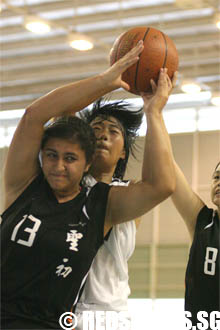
{"type": "Point", "coordinates": [159, 52]}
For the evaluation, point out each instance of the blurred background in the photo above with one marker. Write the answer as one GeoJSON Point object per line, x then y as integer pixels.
{"type": "Point", "coordinates": [48, 43]}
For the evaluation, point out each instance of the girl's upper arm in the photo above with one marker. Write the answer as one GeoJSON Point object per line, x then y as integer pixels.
{"type": "Point", "coordinates": [22, 163]}
{"type": "Point", "coordinates": [131, 202]}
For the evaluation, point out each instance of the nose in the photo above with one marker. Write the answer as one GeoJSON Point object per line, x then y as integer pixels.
{"type": "Point", "coordinates": [60, 165]}
{"type": "Point", "coordinates": [102, 134]}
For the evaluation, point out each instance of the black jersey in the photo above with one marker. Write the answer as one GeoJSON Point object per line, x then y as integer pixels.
{"type": "Point", "coordinates": [47, 249]}
{"type": "Point", "coordinates": [202, 274]}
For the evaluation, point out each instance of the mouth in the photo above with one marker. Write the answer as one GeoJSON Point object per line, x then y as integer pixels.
{"type": "Point", "coordinates": [101, 147]}
{"type": "Point", "coordinates": [57, 176]}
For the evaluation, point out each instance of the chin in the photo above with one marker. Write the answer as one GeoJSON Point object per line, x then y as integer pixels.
{"type": "Point", "coordinates": [56, 186]}
{"type": "Point", "coordinates": [216, 201]}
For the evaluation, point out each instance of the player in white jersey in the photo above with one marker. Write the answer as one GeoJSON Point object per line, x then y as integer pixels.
{"type": "Point", "coordinates": [107, 287]}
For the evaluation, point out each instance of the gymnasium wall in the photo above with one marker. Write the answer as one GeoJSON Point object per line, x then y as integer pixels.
{"type": "Point", "coordinates": [157, 267]}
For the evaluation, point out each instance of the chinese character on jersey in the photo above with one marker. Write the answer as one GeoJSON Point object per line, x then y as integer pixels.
{"type": "Point", "coordinates": [62, 270]}
{"type": "Point", "coordinates": [73, 237]}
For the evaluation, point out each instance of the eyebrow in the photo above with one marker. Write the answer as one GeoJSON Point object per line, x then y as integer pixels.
{"type": "Point", "coordinates": [66, 153]}
{"type": "Point", "coordinates": [50, 149]}
{"type": "Point", "coordinates": [216, 172]}
{"type": "Point", "coordinates": [112, 124]}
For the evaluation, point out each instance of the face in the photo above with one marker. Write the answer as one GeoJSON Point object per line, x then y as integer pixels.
{"type": "Point", "coordinates": [63, 165]}
{"type": "Point", "coordinates": [215, 187]}
{"type": "Point", "coordinates": [110, 142]}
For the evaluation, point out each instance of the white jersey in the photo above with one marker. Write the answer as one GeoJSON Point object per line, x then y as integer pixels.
{"type": "Point", "coordinates": [107, 287]}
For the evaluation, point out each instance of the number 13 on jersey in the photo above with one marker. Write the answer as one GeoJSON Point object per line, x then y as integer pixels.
{"type": "Point", "coordinates": [31, 231]}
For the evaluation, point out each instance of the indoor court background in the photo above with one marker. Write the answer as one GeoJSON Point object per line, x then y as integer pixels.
{"type": "Point", "coordinates": [33, 64]}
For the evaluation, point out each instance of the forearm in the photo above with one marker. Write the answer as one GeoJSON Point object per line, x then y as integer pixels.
{"type": "Point", "coordinates": [71, 98]}
{"type": "Point", "coordinates": [158, 168]}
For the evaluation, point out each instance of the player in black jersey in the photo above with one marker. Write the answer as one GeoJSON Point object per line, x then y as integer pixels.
{"type": "Point", "coordinates": [202, 274]}
{"type": "Point", "coordinates": [52, 227]}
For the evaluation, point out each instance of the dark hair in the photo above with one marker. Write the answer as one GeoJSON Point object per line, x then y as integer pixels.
{"type": "Point", "coordinates": [128, 118]}
{"type": "Point", "coordinates": [74, 129]}
{"type": "Point", "coordinates": [216, 166]}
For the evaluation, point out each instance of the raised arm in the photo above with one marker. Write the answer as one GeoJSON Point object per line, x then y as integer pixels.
{"type": "Point", "coordinates": [22, 160]}
{"type": "Point", "coordinates": [158, 181]}
{"type": "Point", "coordinates": [157, 100]}
{"type": "Point", "coordinates": [186, 201]}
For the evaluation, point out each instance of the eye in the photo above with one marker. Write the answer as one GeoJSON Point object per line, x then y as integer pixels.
{"type": "Point", "coordinates": [113, 131]}
{"type": "Point", "coordinates": [70, 159]}
{"type": "Point", "coordinates": [96, 128]}
{"type": "Point", "coordinates": [51, 155]}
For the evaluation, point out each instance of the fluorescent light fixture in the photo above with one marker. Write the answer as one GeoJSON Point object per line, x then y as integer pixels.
{"type": "Point", "coordinates": [217, 19]}
{"type": "Point", "coordinates": [11, 114]}
{"type": "Point", "coordinates": [208, 119]}
{"type": "Point", "coordinates": [80, 42]}
{"type": "Point", "coordinates": [177, 120]}
{"type": "Point", "coordinates": [36, 25]}
{"type": "Point", "coordinates": [215, 100]}
{"type": "Point", "coordinates": [180, 120]}
{"type": "Point", "coordinates": [2, 6]}
{"type": "Point", "coordinates": [190, 87]}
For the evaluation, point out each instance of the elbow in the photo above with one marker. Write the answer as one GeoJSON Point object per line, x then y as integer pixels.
{"type": "Point", "coordinates": [28, 114]}
{"type": "Point", "coordinates": [172, 186]}
{"type": "Point", "coordinates": [33, 115]}
{"type": "Point", "coordinates": [29, 111]}
{"type": "Point", "coordinates": [170, 190]}
{"type": "Point", "coordinates": [27, 117]}
{"type": "Point", "coordinates": [167, 189]}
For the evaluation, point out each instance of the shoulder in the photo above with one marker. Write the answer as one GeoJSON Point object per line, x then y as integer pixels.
{"type": "Point", "coordinates": [97, 197]}
{"type": "Point", "coordinates": [118, 182]}
{"type": "Point", "coordinates": [98, 188]}
{"type": "Point", "coordinates": [205, 217]}
{"type": "Point", "coordinates": [205, 213]}
{"type": "Point", "coordinates": [25, 197]}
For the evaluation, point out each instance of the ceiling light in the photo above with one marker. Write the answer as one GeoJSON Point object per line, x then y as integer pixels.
{"type": "Point", "coordinates": [190, 87]}
{"type": "Point", "coordinates": [2, 6]}
{"type": "Point", "coordinates": [80, 42]}
{"type": "Point", "coordinates": [36, 25]}
{"type": "Point", "coordinates": [215, 100]}
{"type": "Point", "coordinates": [217, 19]}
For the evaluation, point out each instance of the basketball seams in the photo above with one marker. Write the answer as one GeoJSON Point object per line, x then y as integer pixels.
{"type": "Point", "coordinates": [160, 51]}
{"type": "Point", "coordinates": [119, 44]}
{"type": "Point", "coordinates": [137, 65]}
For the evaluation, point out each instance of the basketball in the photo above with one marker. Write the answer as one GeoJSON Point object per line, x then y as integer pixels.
{"type": "Point", "coordinates": [159, 52]}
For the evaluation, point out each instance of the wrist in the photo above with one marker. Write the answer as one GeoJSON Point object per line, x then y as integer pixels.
{"type": "Point", "coordinates": [107, 81]}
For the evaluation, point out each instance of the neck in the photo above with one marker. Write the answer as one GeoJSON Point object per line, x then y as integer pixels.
{"type": "Point", "coordinates": [101, 176]}
{"type": "Point", "coordinates": [218, 211]}
{"type": "Point", "coordinates": [63, 196]}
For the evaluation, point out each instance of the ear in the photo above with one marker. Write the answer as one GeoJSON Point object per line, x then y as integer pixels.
{"type": "Point", "coordinates": [87, 167]}
{"type": "Point", "coordinates": [123, 154]}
